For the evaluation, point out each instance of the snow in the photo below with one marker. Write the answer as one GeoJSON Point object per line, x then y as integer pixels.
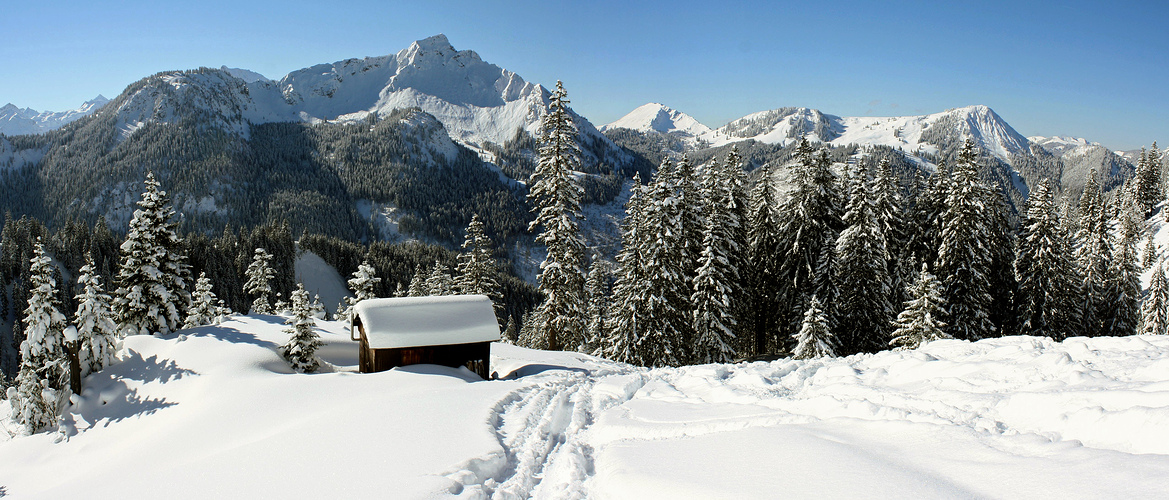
{"type": "Point", "coordinates": [421, 321]}
{"type": "Point", "coordinates": [215, 412]}
{"type": "Point", "coordinates": [321, 280]}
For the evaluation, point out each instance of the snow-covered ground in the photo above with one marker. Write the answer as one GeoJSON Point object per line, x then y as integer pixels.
{"type": "Point", "coordinates": [215, 412]}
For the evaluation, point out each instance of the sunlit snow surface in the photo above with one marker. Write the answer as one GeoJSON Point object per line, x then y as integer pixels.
{"type": "Point", "coordinates": [214, 412]}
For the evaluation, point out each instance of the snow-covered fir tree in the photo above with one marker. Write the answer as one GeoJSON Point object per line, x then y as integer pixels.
{"type": "Point", "coordinates": [810, 216]}
{"type": "Point", "coordinates": [42, 385]}
{"type": "Point", "coordinates": [627, 323]}
{"type": "Point", "coordinates": [965, 258]}
{"type": "Point", "coordinates": [259, 282]}
{"type": "Point", "coordinates": [692, 212]}
{"type": "Point", "coordinates": [920, 321]}
{"type": "Point", "coordinates": [300, 351]}
{"type": "Point", "coordinates": [1094, 256]}
{"type": "Point", "coordinates": [97, 333]}
{"type": "Point", "coordinates": [714, 319]}
{"type": "Point", "coordinates": [814, 339]}
{"type": "Point", "coordinates": [717, 291]}
{"type": "Point", "coordinates": [417, 283]}
{"type": "Point", "coordinates": [152, 275]}
{"type": "Point", "coordinates": [477, 267]}
{"type": "Point", "coordinates": [890, 211]}
{"type": "Point", "coordinates": [1149, 191]}
{"type": "Point", "coordinates": [510, 332]}
{"type": "Point", "coordinates": [925, 232]}
{"type": "Point", "coordinates": [862, 309]}
{"type": "Point", "coordinates": [440, 282]}
{"type": "Point", "coordinates": [364, 282]}
{"type": "Point", "coordinates": [1125, 286]}
{"type": "Point", "coordinates": [204, 309]}
{"type": "Point", "coordinates": [1049, 284]}
{"type": "Point", "coordinates": [763, 281]}
{"type": "Point", "coordinates": [597, 298]}
{"type": "Point", "coordinates": [555, 196]}
{"type": "Point", "coordinates": [1149, 256]}
{"type": "Point", "coordinates": [1155, 309]}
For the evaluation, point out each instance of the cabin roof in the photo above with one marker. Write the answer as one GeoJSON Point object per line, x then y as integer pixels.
{"type": "Point", "coordinates": [422, 321]}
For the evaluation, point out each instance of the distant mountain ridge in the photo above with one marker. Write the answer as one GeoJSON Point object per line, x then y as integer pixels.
{"type": "Point", "coordinates": [17, 121]}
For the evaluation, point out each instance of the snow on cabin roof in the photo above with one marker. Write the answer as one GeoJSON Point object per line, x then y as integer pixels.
{"type": "Point", "coordinates": [421, 321]}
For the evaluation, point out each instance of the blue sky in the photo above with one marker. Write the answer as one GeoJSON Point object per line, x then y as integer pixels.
{"type": "Point", "coordinates": [1097, 70]}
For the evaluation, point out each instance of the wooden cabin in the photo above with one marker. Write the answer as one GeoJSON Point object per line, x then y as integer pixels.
{"type": "Point", "coordinates": [450, 330]}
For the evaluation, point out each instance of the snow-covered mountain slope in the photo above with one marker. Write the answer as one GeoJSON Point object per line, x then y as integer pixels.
{"type": "Point", "coordinates": [1058, 145]}
{"type": "Point", "coordinates": [246, 75]}
{"type": "Point", "coordinates": [939, 132]}
{"type": "Point", "coordinates": [942, 132]}
{"type": "Point", "coordinates": [655, 117]}
{"type": "Point", "coordinates": [17, 121]}
{"type": "Point", "coordinates": [476, 101]}
{"type": "Point", "coordinates": [214, 411]}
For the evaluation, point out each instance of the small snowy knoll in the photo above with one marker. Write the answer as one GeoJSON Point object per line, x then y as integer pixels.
{"type": "Point", "coordinates": [214, 412]}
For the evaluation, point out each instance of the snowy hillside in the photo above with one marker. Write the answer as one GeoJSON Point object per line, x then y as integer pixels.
{"type": "Point", "coordinates": [215, 412]}
{"type": "Point", "coordinates": [16, 121]}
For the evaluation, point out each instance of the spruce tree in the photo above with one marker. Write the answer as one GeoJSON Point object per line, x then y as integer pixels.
{"type": "Point", "coordinates": [597, 298]}
{"type": "Point", "coordinates": [259, 282]}
{"type": "Point", "coordinates": [811, 215]}
{"type": "Point", "coordinates": [364, 282]}
{"type": "Point", "coordinates": [628, 322]}
{"type": "Point", "coordinates": [1149, 256]}
{"type": "Point", "coordinates": [1094, 256]}
{"type": "Point", "coordinates": [1125, 286]}
{"type": "Point", "coordinates": [555, 195]}
{"type": "Point", "coordinates": [763, 280]}
{"type": "Point", "coordinates": [152, 273]}
{"type": "Point", "coordinates": [890, 211]}
{"type": "Point", "coordinates": [920, 321]}
{"type": "Point", "coordinates": [417, 283]}
{"type": "Point", "coordinates": [714, 319]}
{"type": "Point", "coordinates": [964, 258]}
{"type": "Point", "coordinates": [203, 309]}
{"type": "Point", "coordinates": [98, 339]}
{"type": "Point", "coordinates": [300, 351]}
{"type": "Point", "coordinates": [1155, 309]}
{"type": "Point", "coordinates": [665, 298]}
{"type": "Point", "coordinates": [439, 282]}
{"type": "Point", "coordinates": [1049, 284]}
{"type": "Point", "coordinates": [862, 309]}
{"type": "Point", "coordinates": [814, 339]}
{"type": "Point", "coordinates": [42, 385]}
{"type": "Point", "coordinates": [477, 267]}
{"type": "Point", "coordinates": [1149, 191]}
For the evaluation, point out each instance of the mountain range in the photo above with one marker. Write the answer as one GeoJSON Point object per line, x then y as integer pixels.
{"type": "Point", "coordinates": [217, 133]}
{"type": "Point", "coordinates": [17, 121]}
